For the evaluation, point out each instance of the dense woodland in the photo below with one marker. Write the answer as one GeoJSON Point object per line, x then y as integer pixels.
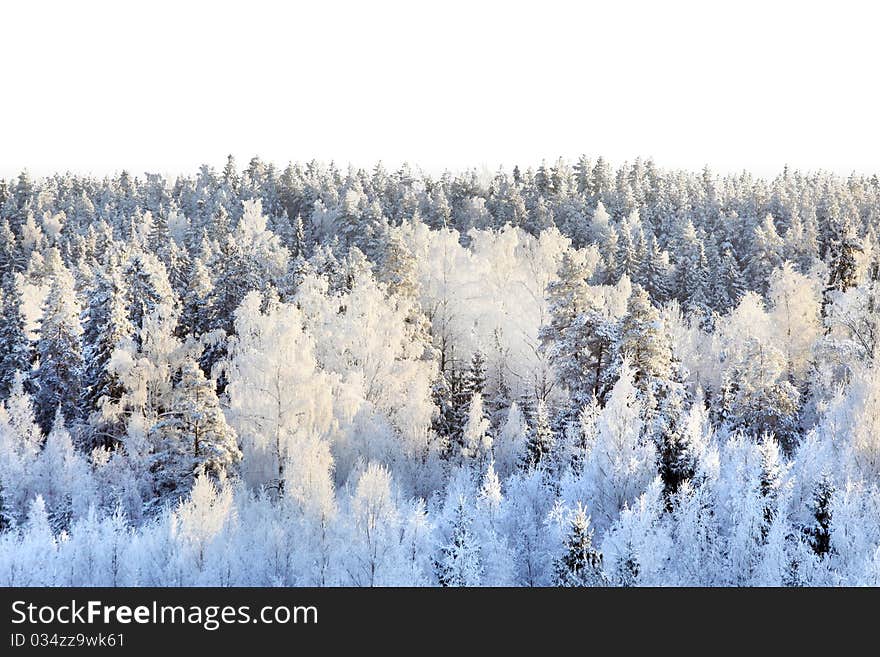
{"type": "Point", "coordinates": [574, 375]}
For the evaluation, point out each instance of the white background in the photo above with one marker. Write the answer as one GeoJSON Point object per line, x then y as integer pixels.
{"type": "Point", "coordinates": [165, 86]}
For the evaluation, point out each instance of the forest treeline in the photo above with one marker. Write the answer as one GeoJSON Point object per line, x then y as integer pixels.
{"type": "Point", "coordinates": [573, 375]}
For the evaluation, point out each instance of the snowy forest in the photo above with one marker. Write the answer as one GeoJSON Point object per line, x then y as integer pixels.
{"type": "Point", "coordinates": [568, 375]}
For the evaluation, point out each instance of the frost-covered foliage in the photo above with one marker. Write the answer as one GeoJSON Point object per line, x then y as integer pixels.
{"type": "Point", "coordinates": [566, 376]}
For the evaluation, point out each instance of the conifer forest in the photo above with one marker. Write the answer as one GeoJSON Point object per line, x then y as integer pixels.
{"type": "Point", "coordinates": [573, 374]}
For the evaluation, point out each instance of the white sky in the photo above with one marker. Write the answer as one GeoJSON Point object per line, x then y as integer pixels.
{"type": "Point", "coordinates": [164, 86]}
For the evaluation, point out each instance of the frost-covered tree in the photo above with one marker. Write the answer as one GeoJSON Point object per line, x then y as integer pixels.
{"type": "Point", "coordinates": [580, 340]}
{"type": "Point", "coordinates": [59, 349]}
{"type": "Point", "coordinates": [622, 462]}
{"type": "Point", "coordinates": [510, 445]}
{"type": "Point", "coordinates": [581, 563]}
{"type": "Point", "coordinates": [795, 312]}
{"type": "Point", "coordinates": [475, 437]}
{"type": "Point", "coordinates": [763, 400]}
{"type": "Point", "coordinates": [149, 291]}
{"type": "Point", "coordinates": [818, 531]}
{"type": "Point", "coordinates": [540, 443]}
{"type": "Point", "coordinates": [459, 561]}
{"type": "Point", "coordinates": [645, 343]}
{"type": "Point", "coordinates": [764, 256]}
{"type": "Point", "coordinates": [271, 365]}
{"type": "Point", "coordinates": [106, 325]}
{"type": "Point", "coordinates": [192, 437]}
{"type": "Point", "coordinates": [15, 349]}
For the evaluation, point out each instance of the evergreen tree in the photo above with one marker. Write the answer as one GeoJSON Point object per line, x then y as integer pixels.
{"type": "Point", "coordinates": [727, 283]}
{"type": "Point", "coordinates": [477, 443]}
{"type": "Point", "coordinates": [149, 291]}
{"type": "Point", "coordinates": [579, 340]}
{"type": "Point", "coordinates": [843, 266]}
{"type": "Point", "coordinates": [690, 270]}
{"type": "Point", "coordinates": [59, 348]}
{"type": "Point", "coordinates": [819, 532]}
{"type": "Point", "coordinates": [539, 446]}
{"type": "Point", "coordinates": [581, 564]}
{"type": "Point", "coordinates": [765, 255]}
{"type": "Point", "coordinates": [106, 325]}
{"type": "Point", "coordinates": [193, 438]}
{"type": "Point", "coordinates": [460, 562]}
{"type": "Point", "coordinates": [676, 458]}
{"type": "Point", "coordinates": [9, 255]}
{"type": "Point", "coordinates": [645, 343]}
{"type": "Point", "coordinates": [194, 317]}
{"type": "Point", "coordinates": [15, 348]}
{"type": "Point", "coordinates": [656, 272]}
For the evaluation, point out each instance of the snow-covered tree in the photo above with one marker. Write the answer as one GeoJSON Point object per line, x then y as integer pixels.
{"type": "Point", "coordinates": [581, 563]}
{"type": "Point", "coordinates": [192, 437]}
{"type": "Point", "coordinates": [459, 562]}
{"type": "Point", "coordinates": [59, 348]}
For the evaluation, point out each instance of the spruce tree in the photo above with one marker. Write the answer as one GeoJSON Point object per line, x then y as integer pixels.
{"type": "Point", "coordinates": [645, 342]}
{"type": "Point", "coordinates": [677, 461]}
{"type": "Point", "coordinates": [149, 290]}
{"type": "Point", "coordinates": [581, 564]}
{"type": "Point", "coordinates": [59, 348]}
{"type": "Point", "coordinates": [539, 445]}
{"type": "Point", "coordinates": [194, 317]}
{"type": "Point", "coordinates": [819, 532]}
{"type": "Point", "coordinates": [460, 559]}
{"type": "Point", "coordinates": [106, 325]}
{"type": "Point", "coordinates": [15, 348]}
{"type": "Point", "coordinates": [765, 255]}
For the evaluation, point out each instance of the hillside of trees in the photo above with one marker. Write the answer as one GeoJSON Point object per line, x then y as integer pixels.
{"type": "Point", "coordinates": [569, 376]}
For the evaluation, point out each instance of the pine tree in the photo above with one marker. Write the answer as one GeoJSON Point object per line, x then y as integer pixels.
{"type": "Point", "coordinates": [445, 419]}
{"type": "Point", "coordinates": [691, 281]}
{"type": "Point", "coordinates": [630, 255]}
{"type": "Point", "coordinates": [623, 460]}
{"type": "Point", "coordinates": [476, 375]}
{"type": "Point", "coordinates": [645, 343]}
{"type": "Point", "coordinates": [771, 480]}
{"type": "Point", "coordinates": [300, 244]}
{"type": "Point", "coordinates": [628, 569]}
{"type": "Point", "coordinates": [9, 255]}
{"type": "Point", "coordinates": [677, 462]}
{"type": "Point", "coordinates": [193, 438]}
{"type": "Point", "coordinates": [581, 565]}
{"type": "Point", "coordinates": [579, 340]}
{"type": "Point", "coordinates": [20, 408]}
{"type": "Point", "coordinates": [57, 378]}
